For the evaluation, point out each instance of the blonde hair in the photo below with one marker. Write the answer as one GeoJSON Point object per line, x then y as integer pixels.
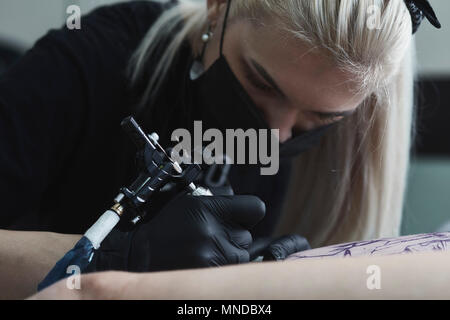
{"type": "Point", "coordinates": [352, 186]}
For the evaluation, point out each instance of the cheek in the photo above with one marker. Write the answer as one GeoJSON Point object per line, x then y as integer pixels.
{"type": "Point", "coordinates": [275, 113]}
{"type": "Point", "coordinates": [271, 110]}
{"type": "Point", "coordinates": [279, 116]}
{"type": "Point", "coordinates": [272, 114]}
{"type": "Point", "coordinates": [261, 102]}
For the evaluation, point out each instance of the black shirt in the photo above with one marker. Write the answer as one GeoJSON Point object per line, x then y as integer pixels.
{"type": "Point", "coordinates": [63, 154]}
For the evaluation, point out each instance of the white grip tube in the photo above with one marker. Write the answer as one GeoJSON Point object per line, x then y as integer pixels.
{"type": "Point", "coordinates": [100, 229]}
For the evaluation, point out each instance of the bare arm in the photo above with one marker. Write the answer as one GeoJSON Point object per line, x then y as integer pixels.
{"type": "Point", "coordinates": [27, 257]}
{"type": "Point", "coordinates": [409, 276]}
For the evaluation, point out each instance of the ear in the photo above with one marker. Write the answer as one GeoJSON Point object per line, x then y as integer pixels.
{"type": "Point", "coordinates": [215, 8]}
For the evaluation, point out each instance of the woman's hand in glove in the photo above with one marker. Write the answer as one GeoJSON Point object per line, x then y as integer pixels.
{"type": "Point", "coordinates": [189, 232]}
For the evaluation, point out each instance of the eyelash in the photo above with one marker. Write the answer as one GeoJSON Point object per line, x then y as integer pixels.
{"type": "Point", "coordinates": [257, 84]}
{"type": "Point", "coordinates": [327, 120]}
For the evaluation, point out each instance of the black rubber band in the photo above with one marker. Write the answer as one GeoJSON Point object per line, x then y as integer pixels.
{"type": "Point", "coordinates": [224, 27]}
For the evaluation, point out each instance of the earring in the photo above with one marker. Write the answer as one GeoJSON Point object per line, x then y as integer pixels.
{"type": "Point", "coordinates": [207, 36]}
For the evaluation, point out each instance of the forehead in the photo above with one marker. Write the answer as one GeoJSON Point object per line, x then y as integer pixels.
{"type": "Point", "coordinates": [307, 76]}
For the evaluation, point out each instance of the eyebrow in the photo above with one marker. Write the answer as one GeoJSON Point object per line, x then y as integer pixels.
{"type": "Point", "coordinates": [266, 76]}
{"type": "Point", "coordinates": [263, 73]}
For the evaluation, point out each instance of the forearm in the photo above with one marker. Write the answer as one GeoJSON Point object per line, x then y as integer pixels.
{"type": "Point", "coordinates": [413, 276]}
{"type": "Point", "coordinates": [26, 258]}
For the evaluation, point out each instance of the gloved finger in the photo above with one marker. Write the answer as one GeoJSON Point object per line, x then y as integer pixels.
{"type": "Point", "coordinates": [258, 247]}
{"type": "Point", "coordinates": [245, 211]}
{"type": "Point", "coordinates": [238, 256]}
{"type": "Point", "coordinates": [283, 247]}
{"type": "Point", "coordinates": [240, 238]}
{"type": "Point", "coordinates": [224, 253]}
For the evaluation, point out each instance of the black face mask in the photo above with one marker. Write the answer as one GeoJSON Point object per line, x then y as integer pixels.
{"type": "Point", "coordinates": [223, 104]}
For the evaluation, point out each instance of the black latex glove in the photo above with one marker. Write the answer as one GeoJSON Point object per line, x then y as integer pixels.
{"type": "Point", "coordinates": [189, 232]}
{"type": "Point", "coordinates": [278, 249]}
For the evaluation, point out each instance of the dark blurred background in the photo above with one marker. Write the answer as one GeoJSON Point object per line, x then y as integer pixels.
{"type": "Point", "coordinates": [427, 206]}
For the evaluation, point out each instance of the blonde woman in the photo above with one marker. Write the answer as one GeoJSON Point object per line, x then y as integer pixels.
{"type": "Point", "coordinates": [337, 70]}
{"type": "Point", "coordinates": [345, 62]}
